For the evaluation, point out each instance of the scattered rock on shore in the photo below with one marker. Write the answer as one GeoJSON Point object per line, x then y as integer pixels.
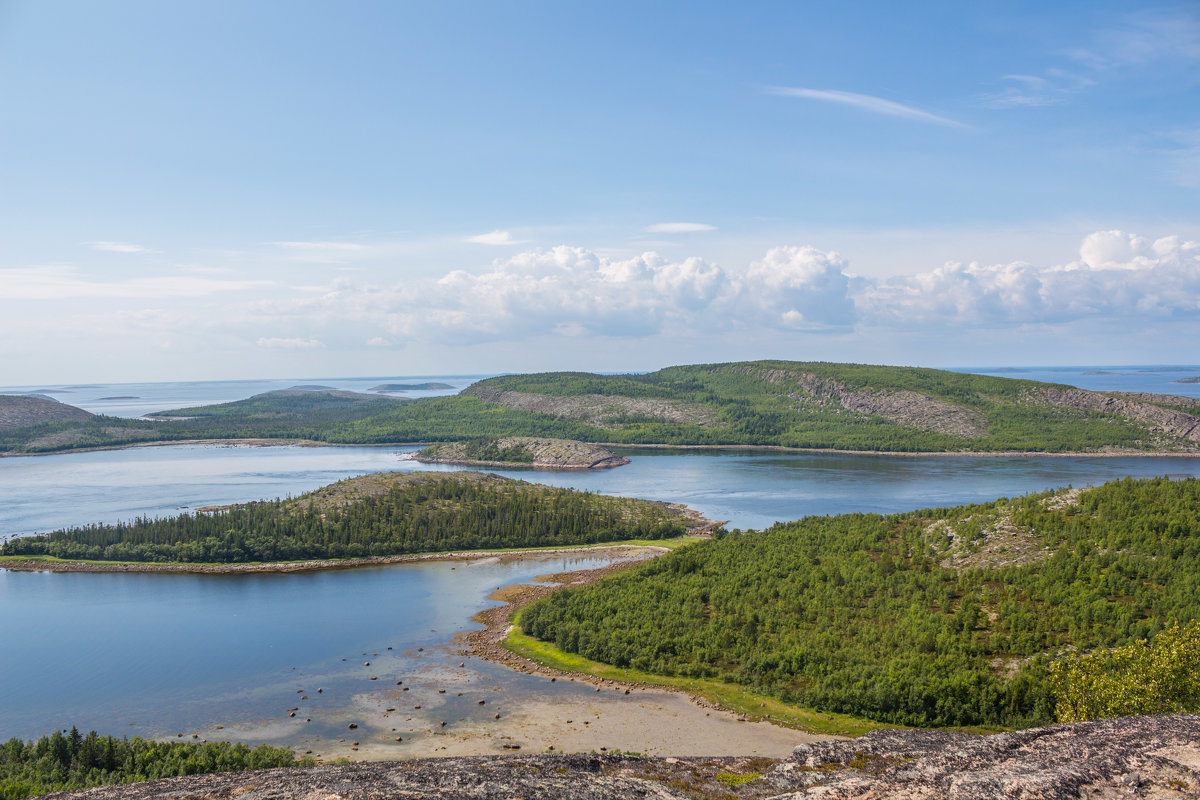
{"type": "Point", "coordinates": [1151, 757]}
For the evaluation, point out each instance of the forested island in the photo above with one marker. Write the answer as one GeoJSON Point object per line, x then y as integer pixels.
{"type": "Point", "coordinates": [810, 405]}
{"type": "Point", "coordinates": [378, 515]}
{"type": "Point", "coordinates": [963, 616]}
{"type": "Point", "coordinates": [522, 451]}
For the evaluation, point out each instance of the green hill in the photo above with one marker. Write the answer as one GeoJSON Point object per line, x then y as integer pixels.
{"type": "Point", "coordinates": [934, 617]}
{"type": "Point", "coordinates": [757, 403]}
{"type": "Point", "coordinates": [24, 411]}
{"type": "Point", "coordinates": [794, 404]}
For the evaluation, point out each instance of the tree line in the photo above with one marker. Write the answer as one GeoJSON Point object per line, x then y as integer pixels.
{"type": "Point", "coordinates": [69, 761]}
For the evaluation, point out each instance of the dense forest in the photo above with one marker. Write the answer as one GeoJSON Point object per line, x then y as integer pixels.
{"type": "Point", "coordinates": [936, 617]}
{"type": "Point", "coordinates": [778, 403]}
{"type": "Point", "coordinates": [384, 514]}
{"type": "Point", "coordinates": [64, 762]}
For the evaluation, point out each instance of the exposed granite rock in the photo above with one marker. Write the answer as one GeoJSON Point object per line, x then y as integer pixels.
{"type": "Point", "coordinates": [1167, 422]}
{"type": "Point", "coordinates": [603, 411]}
{"type": "Point", "coordinates": [542, 777]}
{"type": "Point", "coordinates": [901, 406]}
{"type": "Point", "coordinates": [1149, 757]}
{"type": "Point", "coordinates": [920, 411]}
{"type": "Point", "coordinates": [532, 451]}
{"type": "Point", "coordinates": [1152, 756]}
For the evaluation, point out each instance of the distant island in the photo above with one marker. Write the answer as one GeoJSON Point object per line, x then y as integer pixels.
{"type": "Point", "coordinates": [121, 397]}
{"type": "Point", "coordinates": [522, 451]}
{"type": "Point", "coordinates": [1193, 379]}
{"type": "Point", "coordinates": [779, 404]}
{"type": "Point", "coordinates": [410, 387]}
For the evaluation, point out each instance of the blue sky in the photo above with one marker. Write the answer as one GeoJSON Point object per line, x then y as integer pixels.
{"type": "Point", "coordinates": [258, 189]}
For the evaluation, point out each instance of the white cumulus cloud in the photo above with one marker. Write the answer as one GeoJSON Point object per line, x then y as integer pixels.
{"type": "Point", "coordinates": [574, 292]}
{"type": "Point", "coordinates": [1117, 275]}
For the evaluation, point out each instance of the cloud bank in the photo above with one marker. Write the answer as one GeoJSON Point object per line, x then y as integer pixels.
{"type": "Point", "coordinates": [572, 291]}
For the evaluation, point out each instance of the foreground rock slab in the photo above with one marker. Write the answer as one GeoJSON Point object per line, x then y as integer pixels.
{"type": "Point", "coordinates": [1149, 757]}
{"type": "Point", "coordinates": [1152, 756]}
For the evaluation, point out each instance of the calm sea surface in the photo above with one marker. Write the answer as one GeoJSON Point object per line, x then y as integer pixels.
{"type": "Point", "coordinates": [165, 654]}
{"type": "Point", "coordinates": [157, 655]}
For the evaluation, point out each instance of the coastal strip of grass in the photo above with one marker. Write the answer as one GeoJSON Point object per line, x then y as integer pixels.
{"type": "Point", "coordinates": [723, 695]}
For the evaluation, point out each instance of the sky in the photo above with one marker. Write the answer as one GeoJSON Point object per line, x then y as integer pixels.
{"type": "Point", "coordinates": [250, 189]}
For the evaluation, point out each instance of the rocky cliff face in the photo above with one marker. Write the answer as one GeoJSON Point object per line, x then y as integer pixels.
{"type": "Point", "coordinates": [1166, 422]}
{"type": "Point", "coordinates": [1152, 757]}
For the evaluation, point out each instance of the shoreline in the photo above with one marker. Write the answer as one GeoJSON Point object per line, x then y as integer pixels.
{"type": "Point", "coordinates": [487, 642]}
{"type": "Point", "coordinates": [765, 448]}
{"type": "Point", "coordinates": [607, 463]}
{"type": "Point", "coordinates": [33, 565]}
{"type": "Point", "coordinates": [778, 448]}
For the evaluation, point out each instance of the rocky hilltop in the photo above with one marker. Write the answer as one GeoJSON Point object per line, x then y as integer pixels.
{"type": "Point", "coordinates": [1151, 757]}
{"type": "Point", "coordinates": [848, 407]}
{"type": "Point", "coordinates": [22, 411]}
{"type": "Point", "coordinates": [525, 451]}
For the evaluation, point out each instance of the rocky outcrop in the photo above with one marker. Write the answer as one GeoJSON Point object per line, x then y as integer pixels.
{"type": "Point", "coordinates": [915, 410]}
{"type": "Point", "coordinates": [1149, 757]}
{"type": "Point", "coordinates": [526, 451]}
{"type": "Point", "coordinates": [543, 777]}
{"type": "Point", "coordinates": [603, 411]}
{"type": "Point", "coordinates": [1141, 756]}
{"type": "Point", "coordinates": [901, 406]}
{"type": "Point", "coordinates": [1165, 422]}
{"type": "Point", "coordinates": [22, 411]}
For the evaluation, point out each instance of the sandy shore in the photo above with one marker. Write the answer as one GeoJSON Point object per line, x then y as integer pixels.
{"type": "Point", "coordinates": [426, 713]}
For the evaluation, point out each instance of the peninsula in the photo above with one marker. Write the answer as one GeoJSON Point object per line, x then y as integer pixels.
{"type": "Point", "coordinates": [371, 517]}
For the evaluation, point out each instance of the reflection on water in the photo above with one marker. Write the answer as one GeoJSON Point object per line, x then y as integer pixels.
{"type": "Point", "coordinates": [160, 654]}
{"type": "Point", "coordinates": [163, 654]}
{"type": "Point", "coordinates": [752, 490]}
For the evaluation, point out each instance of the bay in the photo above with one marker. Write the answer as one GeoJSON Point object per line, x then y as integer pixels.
{"type": "Point", "coordinates": [163, 654]}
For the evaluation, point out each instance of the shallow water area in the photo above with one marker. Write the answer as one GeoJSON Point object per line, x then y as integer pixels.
{"type": "Point", "coordinates": [258, 655]}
